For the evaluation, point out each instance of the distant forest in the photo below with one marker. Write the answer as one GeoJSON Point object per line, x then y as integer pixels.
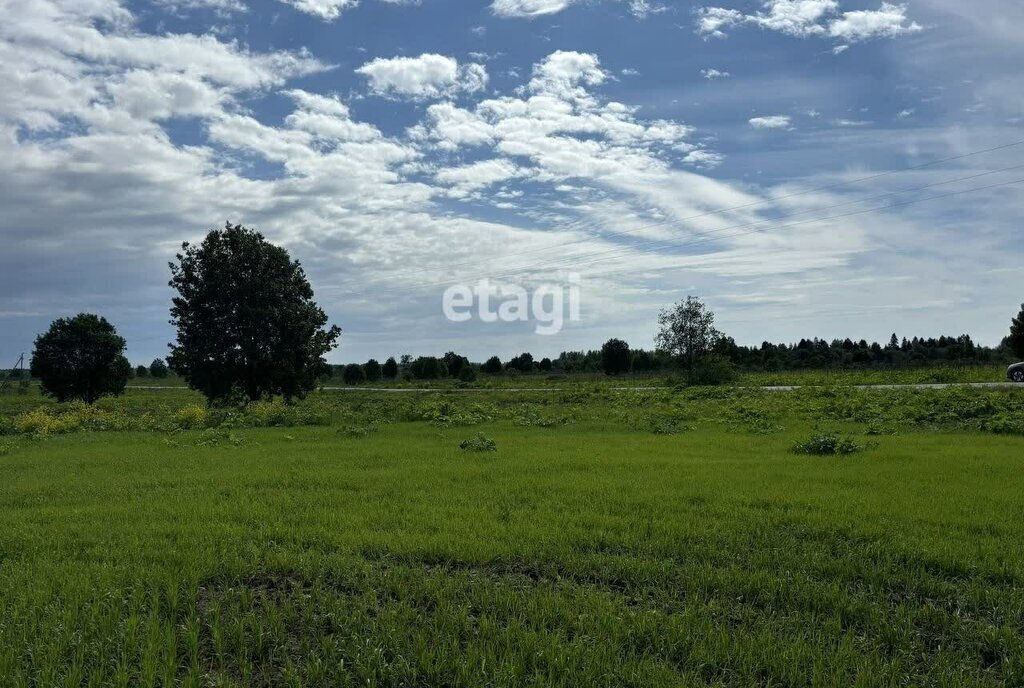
{"type": "Point", "coordinates": [807, 354]}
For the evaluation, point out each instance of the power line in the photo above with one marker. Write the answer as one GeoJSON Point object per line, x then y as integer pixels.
{"type": "Point", "coordinates": [763, 227]}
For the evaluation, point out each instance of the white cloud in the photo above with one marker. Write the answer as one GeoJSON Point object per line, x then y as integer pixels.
{"type": "Point", "coordinates": [468, 178]}
{"type": "Point", "coordinates": [704, 159]}
{"type": "Point", "coordinates": [771, 122]}
{"type": "Point", "coordinates": [328, 10]}
{"type": "Point", "coordinates": [423, 77]}
{"type": "Point", "coordinates": [219, 6]}
{"type": "Point", "coordinates": [888, 21]}
{"type": "Point", "coordinates": [712, 20]}
{"type": "Point", "coordinates": [711, 74]}
{"type": "Point", "coordinates": [528, 8]}
{"type": "Point", "coordinates": [851, 122]}
{"type": "Point", "coordinates": [805, 18]}
{"type": "Point", "coordinates": [795, 17]}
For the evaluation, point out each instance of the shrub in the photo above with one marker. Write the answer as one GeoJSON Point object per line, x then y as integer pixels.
{"type": "Point", "coordinates": [267, 414]}
{"type": "Point", "coordinates": [668, 426]}
{"type": "Point", "coordinates": [480, 443]}
{"type": "Point", "coordinates": [1006, 425]}
{"type": "Point", "coordinates": [827, 444]}
{"type": "Point", "coordinates": [713, 369]}
{"type": "Point", "coordinates": [191, 417]}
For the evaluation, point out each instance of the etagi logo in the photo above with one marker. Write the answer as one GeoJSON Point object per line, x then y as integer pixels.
{"type": "Point", "coordinates": [547, 306]}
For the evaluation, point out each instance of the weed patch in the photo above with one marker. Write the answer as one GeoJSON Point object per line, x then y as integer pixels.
{"type": "Point", "coordinates": [480, 443]}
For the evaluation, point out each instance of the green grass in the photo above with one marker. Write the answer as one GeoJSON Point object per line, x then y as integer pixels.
{"type": "Point", "coordinates": [594, 553]}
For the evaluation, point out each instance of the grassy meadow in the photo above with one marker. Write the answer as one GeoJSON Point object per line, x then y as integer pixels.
{"type": "Point", "coordinates": [615, 538]}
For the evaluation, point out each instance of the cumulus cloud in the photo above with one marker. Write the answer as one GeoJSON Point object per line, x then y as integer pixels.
{"type": "Point", "coordinates": [771, 122]}
{"type": "Point", "coordinates": [711, 21]}
{"type": "Point", "coordinates": [428, 76]}
{"type": "Point", "coordinates": [887, 22]}
{"type": "Point", "coordinates": [805, 18]}
{"type": "Point", "coordinates": [327, 10]}
{"type": "Point", "coordinates": [528, 8]}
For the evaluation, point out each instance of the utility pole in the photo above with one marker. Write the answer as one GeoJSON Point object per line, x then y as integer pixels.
{"type": "Point", "coordinates": [20, 365]}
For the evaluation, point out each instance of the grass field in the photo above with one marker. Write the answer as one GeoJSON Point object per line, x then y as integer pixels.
{"type": "Point", "coordinates": [613, 539]}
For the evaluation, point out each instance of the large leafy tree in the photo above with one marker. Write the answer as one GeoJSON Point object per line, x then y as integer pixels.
{"type": "Point", "coordinates": [615, 357]}
{"type": "Point", "coordinates": [687, 331]}
{"type": "Point", "coordinates": [390, 369]}
{"type": "Point", "coordinates": [248, 327]}
{"type": "Point", "coordinates": [81, 358]}
{"type": "Point", "coordinates": [374, 371]}
{"type": "Point", "coordinates": [1016, 338]}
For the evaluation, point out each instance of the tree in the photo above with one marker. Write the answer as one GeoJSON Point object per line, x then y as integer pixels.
{"type": "Point", "coordinates": [492, 366]}
{"type": "Point", "coordinates": [428, 368]}
{"type": "Point", "coordinates": [158, 368]}
{"type": "Point", "coordinates": [80, 358]}
{"type": "Point", "coordinates": [373, 370]}
{"type": "Point", "coordinates": [390, 369]}
{"type": "Point", "coordinates": [523, 363]}
{"type": "Point", "coordinates": [455, 363]}
{"type": "Point", "coordinates": [142, 371]}
{"type": "Point", "coordinates": [687, 331]}
{"type": "Point", "coordinates": [354, 374]}
{"type": "Point", "coordinates": [615, 357]}
{"type": "Point", "coordinates": [546, 365]}
{"type": "Point", "coordinates": [247, 323]}
{"type": "Point", "coordinates": [1016, 338]}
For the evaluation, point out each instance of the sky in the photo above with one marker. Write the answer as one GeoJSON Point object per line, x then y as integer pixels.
{"type": "Point", "coordinates": [809, 168]}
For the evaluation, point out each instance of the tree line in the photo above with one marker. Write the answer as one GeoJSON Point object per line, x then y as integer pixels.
{"type": "Point", "coordinates": [248, 329]}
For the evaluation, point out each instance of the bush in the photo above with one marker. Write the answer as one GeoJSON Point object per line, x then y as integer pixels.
{"type": "Point", "coordinates": [480, 443]}
{"type": "Point", "coordinates": [467, 374]}
{"type": "Point", "coordinates": [1006, 425]}
{"type": "Point", "coordinates": [827, 444]}
{"type": "Point", "coordinates": [191, 417]}
{"type": "Point", "coordinates": [713, 369]}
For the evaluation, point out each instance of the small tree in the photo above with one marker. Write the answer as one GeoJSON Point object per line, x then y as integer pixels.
{"type": "Point", "coordinates": [390, 369]}
{"type": "Point", "coordinates": [142, 371]}
{"type": "Point", "coordinates": [246, 320]}
{"type": "Point", "coordinates": [158, 368]}
{"type": "Point", "coordinates": [354, 374]}
{"type": "Point", "coordinates": [492, 366]}
{"type": "Point", "coordinates": [1016, 338]}
{"type": "Point", "coordinates": [687, 331]}
{"type": "Point", "coordinates": [615, 357]}
{"type": "Point", "coordinates": [373, 370]}
{"type": "Point", "coordinates": [80, 358]}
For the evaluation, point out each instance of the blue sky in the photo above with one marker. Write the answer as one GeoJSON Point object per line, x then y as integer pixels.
{"type": "Point", "coordinates": [808, 167]}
